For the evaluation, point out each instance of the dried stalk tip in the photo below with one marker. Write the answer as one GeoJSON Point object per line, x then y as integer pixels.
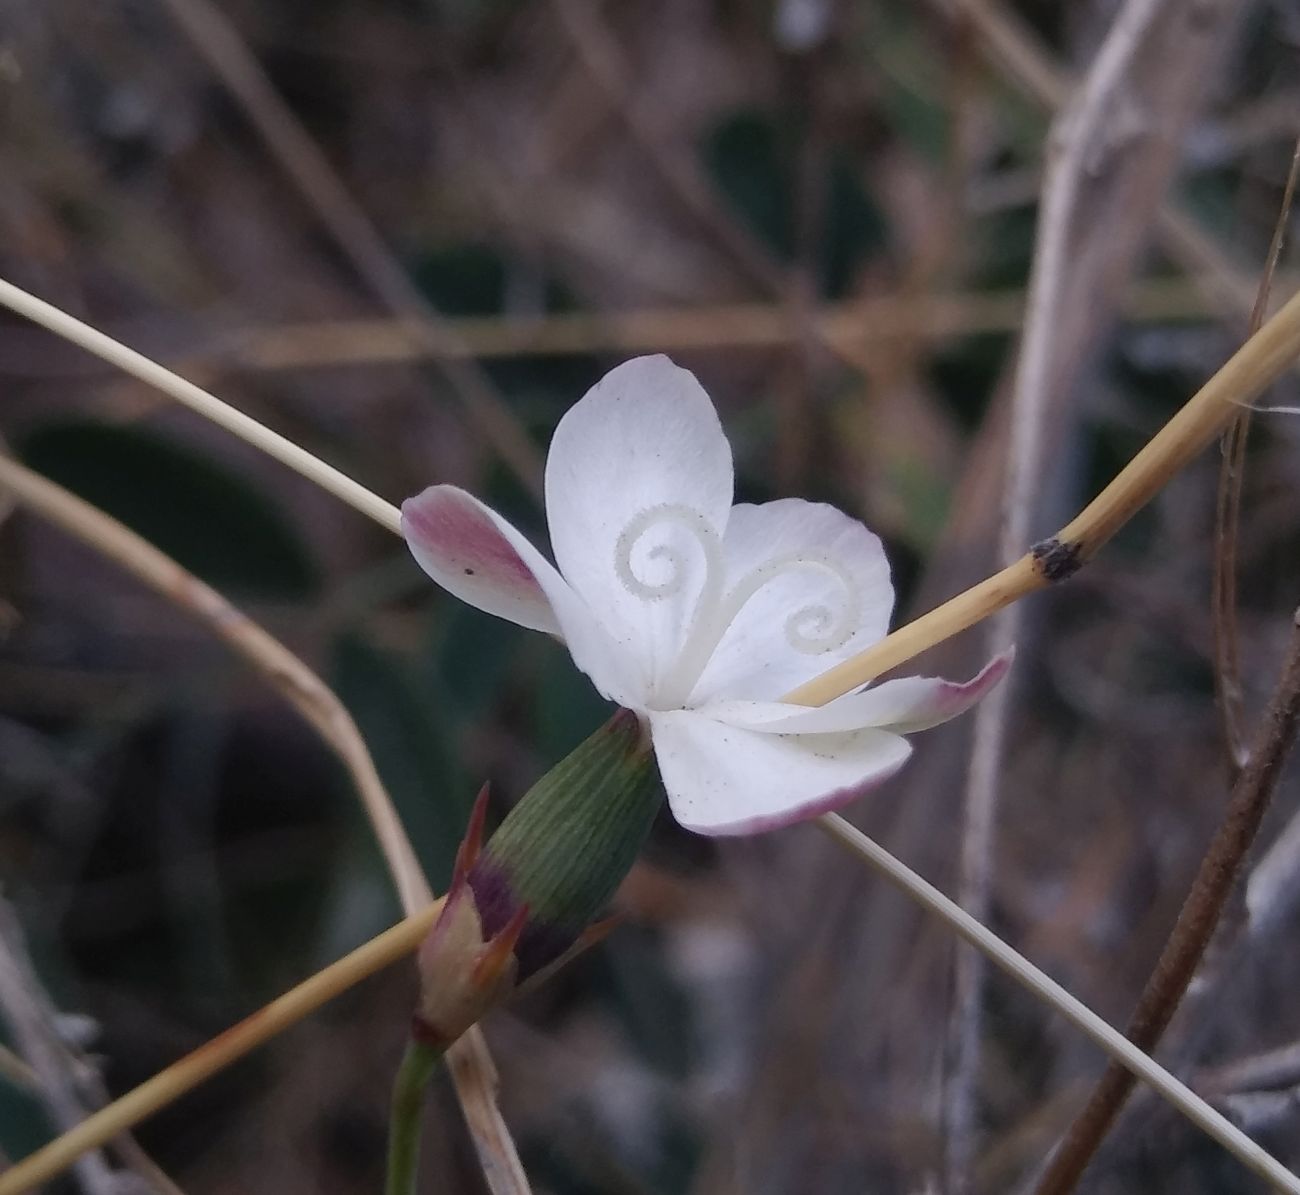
{"type": "Point", "coordinates": [521, 906]}
{"type": "Point", "coordinates": [1056, 559]}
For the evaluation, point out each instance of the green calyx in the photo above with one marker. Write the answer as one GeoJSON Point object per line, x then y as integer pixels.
{"type": "Point", "coordinates": [566, 846]}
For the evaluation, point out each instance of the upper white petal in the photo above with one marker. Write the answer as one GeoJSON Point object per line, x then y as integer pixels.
{"type": "Point", "coordinates": [723, 779]}
{"type": "Point", "coordinates": [644, 439]}
{"type": "Point", "coordinates": [475, 554]}
{"type": "Point", "coordinates": [758, 657]}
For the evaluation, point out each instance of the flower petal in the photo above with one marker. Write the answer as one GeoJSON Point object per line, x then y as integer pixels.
{"type": "Point", "coordinates": [473, 553]}
{"type": "Point", "coordinates": [901, 706]}
{"type": "Point", "coordinates": [461, 544]}
{"type": "Point", "coordinates": [723, 779]}
{"type": "Point", "coordinates": [825, 566]}
{"type": "Point", "coordinates": [638, 487]}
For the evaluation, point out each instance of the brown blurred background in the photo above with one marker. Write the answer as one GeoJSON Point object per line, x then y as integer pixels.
{"type": "Point", "coordinates": [827, 210]}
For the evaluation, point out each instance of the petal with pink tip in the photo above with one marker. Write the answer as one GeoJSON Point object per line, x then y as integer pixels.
{"type": "Point", "coordinates": [902, 706]}
{"type": "Point", "coordinates": [727, 780]}
{"type": "Point", "coordinates": [459, 543]}
{"type": "Point", "coordinates": [473, 553]}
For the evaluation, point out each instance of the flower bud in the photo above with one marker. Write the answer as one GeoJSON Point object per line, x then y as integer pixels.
{"type": "Point", "coordinates": [526, 902]}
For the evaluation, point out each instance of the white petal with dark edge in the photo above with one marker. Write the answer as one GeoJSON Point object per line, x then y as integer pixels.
{"type": "Point", "coordinates": [724, 779]}
{"type": "Point", "coordinates": [901, 706]}
{"type": "Point", "coordinates": [475, 554]}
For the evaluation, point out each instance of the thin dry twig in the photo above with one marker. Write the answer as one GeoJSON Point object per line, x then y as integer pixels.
{"type": "Point", "coordinates": [14, 1070]}
{"type": "Point", "coordinates": [472, 1066]}
{"type": "Point", "coordinates": [184, 1075]}
{"type": "Point", "coordinates": [1132, 1061]}
{"type": "Point", "coordinates": [58, 1076]}
{"type": "Point", "coordinates": [1017, 49]}
{"type": "Point", "coordinates": [856, 325]}
{"type": "Point", "coordinates": [1255, 365]}
{"type": "Point", "coordinates": [1182, 954]}
{"type": "Point", "coordinates": [355, 234]}
{"type": "Point", "coordinates": [297, 683]}
{"type": "Point", "coordinates": [1279, 1067]}
{"type": "Point", "coordinates": [1253, 368]}
{"type": "Point", "coordinates": [1082, 140]}
{"type": "Point", "coordinates": [851, 327]}
{"type": "Point", "coordinates": [1227, 514]}
{"type": "Point", "coordinates": [603, 59]}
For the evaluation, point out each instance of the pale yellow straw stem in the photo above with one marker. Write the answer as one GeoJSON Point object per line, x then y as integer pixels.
{"type": "Point", "coordinates": [1110, 1039]}
{"type": "Point", "coordinates": [1254, 367]}
{"type": "Point", "coordinates": [1249, 371]}
{"type": "Point", "coordinates": [220, 1052]}
{"type": "Point", "coordinates": [199, 400]}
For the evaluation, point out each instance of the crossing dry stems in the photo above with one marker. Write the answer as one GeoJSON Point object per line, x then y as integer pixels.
{"type": "Point", "coordinates": [1255, 366]}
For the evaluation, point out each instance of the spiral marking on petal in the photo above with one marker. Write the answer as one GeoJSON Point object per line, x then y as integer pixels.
{"type": "Point", "coordinates": [642, 524]}
{"type": "Point", "coordinates": [817, 627]}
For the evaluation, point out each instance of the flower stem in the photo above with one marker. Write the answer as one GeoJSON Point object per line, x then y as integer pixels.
{"type": "Point", "coordinates": [418, 1064]}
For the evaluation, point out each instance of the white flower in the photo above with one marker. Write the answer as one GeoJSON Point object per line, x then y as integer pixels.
{"type": "Point", "coordinates": [695, 613]}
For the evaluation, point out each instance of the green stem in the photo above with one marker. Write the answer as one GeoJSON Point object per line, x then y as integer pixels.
{"type": "Point", "coordinates": [418, 1065]}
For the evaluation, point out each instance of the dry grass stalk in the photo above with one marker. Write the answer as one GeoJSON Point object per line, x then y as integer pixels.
{"type": "Point", "coordinates": [200, 401]}
{"type": "Point", "coordinates": [1106, 171]}
{"type": "Point", "coordinates": [1196, 922]}
{"type": "Point", "coordinates": [473, 1069]}
{"type": "Point", "coordinates": [307, 168]}
{"type": "Point", "coordinates": [1258, 363]}
{"type": "Point", "coordinates": [1227, 513]}
{"type": "Point", "coordinates": [860, 324]}
{"type": "Point", "coordinates": [55, 1074]}
{"type": "Point", "coordinates": [1014, 47]}
{"type": "Point", "coordinates": [1253, 367]}
{"type": "Point", "coordinates": [1127, 1059]}
{"type": "Point", "coordinates": [174, 1081]}
{"type": "Point", "coordinates": [297, 683]}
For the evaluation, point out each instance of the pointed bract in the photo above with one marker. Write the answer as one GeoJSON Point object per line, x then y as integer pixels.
{"type": "Point", "coordinates": [454, 992]}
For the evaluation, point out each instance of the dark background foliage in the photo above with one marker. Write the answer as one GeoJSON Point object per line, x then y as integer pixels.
{"type": "Point", "coordinates": [570, 183]}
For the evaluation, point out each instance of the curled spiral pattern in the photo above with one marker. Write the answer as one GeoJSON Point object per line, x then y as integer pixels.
{"type": "Point", "coordinates": [817, 627]}
{"type": "Point", "coordinates": [675, 566]}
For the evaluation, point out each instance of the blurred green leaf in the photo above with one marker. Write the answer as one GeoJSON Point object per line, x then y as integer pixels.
{"type": "Point", "coordinates": [465, 279]}
{"type": "Point", "coordinates": [1005, 249]}
{"type": "Point", "coordinates": [211, 521]}
{"type": "Point", "coordinates": [473, 279]}
{"type": "Point", "coordinates": [749, 167]}
{"type": "Point", "coordinates": [567, 707]}
{"type": "Point", "coordinates": [408, 735]}
{"type": "Point", "coordinates": [650, 1005]}
{"type": "Point", "coordinates": [751, 157]}
{"type": "Point", "coordinates": [472, 655]}
{"type": "Point", "coordinates": [23, 1127]}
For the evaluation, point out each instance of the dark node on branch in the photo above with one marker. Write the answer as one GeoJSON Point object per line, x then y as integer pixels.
{"type": "Point", "coordinates": [1056, 560]}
